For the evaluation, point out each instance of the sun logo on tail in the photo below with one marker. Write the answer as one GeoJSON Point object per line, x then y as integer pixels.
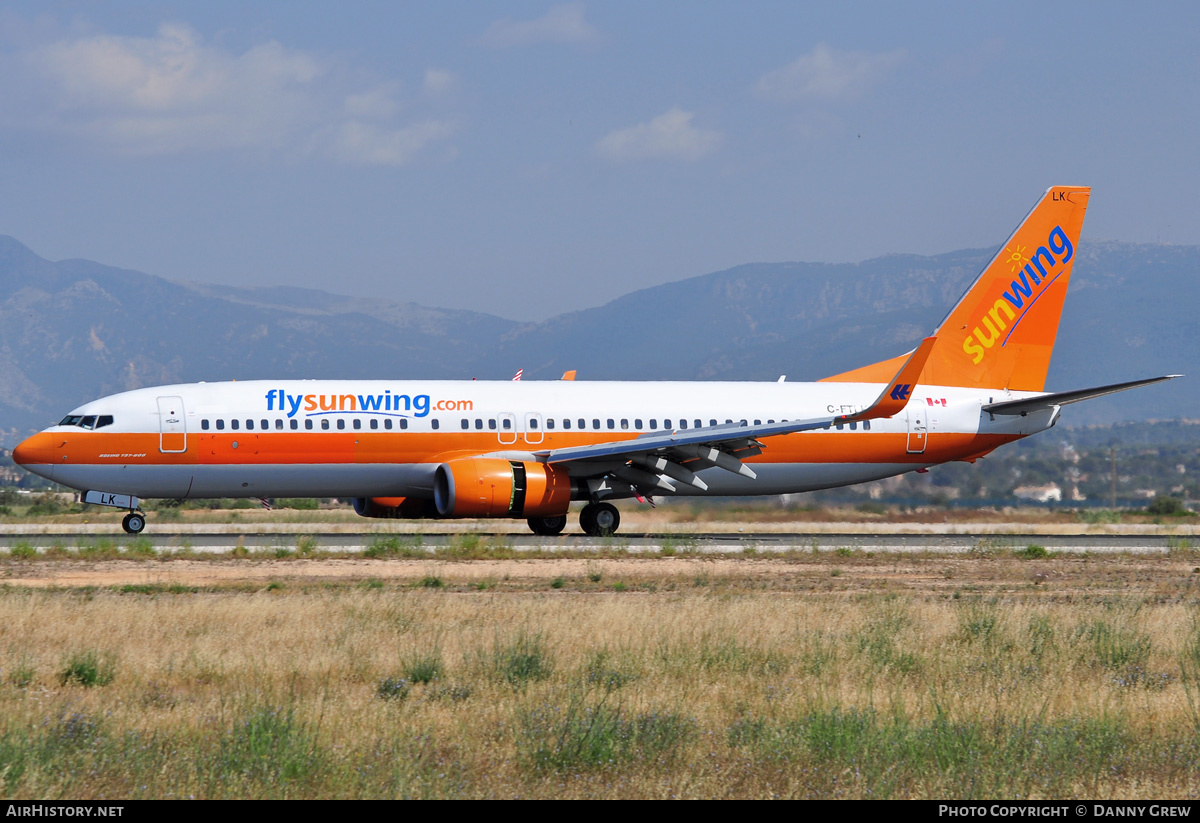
{"type": "Point", "coordinates": [1017, 258]}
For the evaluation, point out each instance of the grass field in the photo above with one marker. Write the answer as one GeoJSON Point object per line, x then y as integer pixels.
{"type": "Point", "coordinates": [1005, 674]}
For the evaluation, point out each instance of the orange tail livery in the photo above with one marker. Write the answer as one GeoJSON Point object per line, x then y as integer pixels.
{"type": "Point", "coordinates": [1001, 332]}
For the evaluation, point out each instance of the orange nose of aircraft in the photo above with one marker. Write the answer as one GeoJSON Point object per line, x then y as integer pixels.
{"type": "Point", "coordinates": [35, 451]}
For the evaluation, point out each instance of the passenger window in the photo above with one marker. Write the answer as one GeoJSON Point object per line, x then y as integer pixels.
{"type": "Point", "coordinates": [479, 422]}
{"type": "Point", "coordinates": [653, 423]}
{"type": "Point", "coordinates": [492, 423]}
{"type": "Point", "coordinates": [853, 425]}
{"type": "Point", "coordinates": [434, 423]}
{"type": "Point", "coordinates": [770, 422]}
{"type": "Point", "coordinates": [838, 426]}
{"type": "Point", "coordinates": [249, 425]}
{"type": "Point", "coordinates": [595, 422]}
{"type": "Point", "coordinates": [866, 425]}
{"type": "Point", "coordinates": [682, 424]}
{"type": "Point", "coordinates": [325, 423]}
{"type": "Point", "coordinates": [549, 422]}
{"type": "Point", "coordinates": [341, 424]}
{"type": "Point", "coordinates": [404, 424]}
{"type": "Point", "coordinates": [233, 424]}
{"type": "Point", "coordinates": [666, 424]}
{"type": "Point", "coordinates": [533, 423]}
{"type": "Point", "coordinates": [624, 423]}
{"type": "Point", "coordinates": [374, 423]}
{"type": "Point", "coordinates": [220, 425]}
{"type": "Point", "coordinates": [387, 423]}
{"type": "Point", "coordinates": [700, 424]}
{"type": "Point", "coordinates": [294, 424]}
{"type": "Point", "coordinates": [566, 422]}
{"type": "Point", "coordinates": [756, 422]}
{"type": "Point", "coordinates": [712, 422]}
{"type": "Point", "coordinates": [357, 423]}
{"type": "Point", "coordinates": [637, 423]}
{"type": "Point", "coordinates": [742, 422]}
{"type": "Point", "coordinates": [582, 423]}
{"type": "Point", "coordinates": [308, 424]}
{"type": "Point", "coordinates": [466, 424]}
{"type": "Point", "coordinates": [611, 424]}
{"type": "Point", "coordinates": [264, 424]}
{"type": "Point", "coordinates": [278, 424]}
{"type": "Point", "coordinates": [204, 424]}
{"type": "Point", "coordinates": [506, 423]}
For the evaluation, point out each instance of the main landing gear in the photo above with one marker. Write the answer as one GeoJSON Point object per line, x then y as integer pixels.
{"type": "Point", "coordinates": [134, 523]}
{"type": "Point", "coordinates": [548, 526]}
{"type": "Point", "coordinates": [596, 520]}
{"type": "Point", "coordinates": [599, 519]}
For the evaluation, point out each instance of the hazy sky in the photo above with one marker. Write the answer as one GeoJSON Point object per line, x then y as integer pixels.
{"type": "Point", "coordinates": [529, 158]}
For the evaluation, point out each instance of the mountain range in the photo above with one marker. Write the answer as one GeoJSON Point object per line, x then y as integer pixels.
{"type": "Point", "coordinates": [74, 330]}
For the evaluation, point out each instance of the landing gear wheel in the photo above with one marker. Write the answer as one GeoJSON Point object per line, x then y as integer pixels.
{"type": "Point", "coordinates": [599, 519]}
{"type": "Point", "coordinates": [548, 526]}
{"type": "Point", "coordinates": [134, 523]}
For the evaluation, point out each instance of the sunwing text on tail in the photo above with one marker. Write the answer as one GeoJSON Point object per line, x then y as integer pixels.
{"type": "Point", "coordinates": [527, 449]}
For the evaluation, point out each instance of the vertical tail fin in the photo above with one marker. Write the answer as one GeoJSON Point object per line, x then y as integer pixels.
{"type": "Point", "coordinates": [1001, 333]}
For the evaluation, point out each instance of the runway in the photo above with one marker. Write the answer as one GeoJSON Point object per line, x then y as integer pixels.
{"type": "Point", "coordinates": [272, 540]}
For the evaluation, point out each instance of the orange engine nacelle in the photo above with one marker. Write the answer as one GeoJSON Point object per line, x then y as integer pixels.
{"type": "Point", "coordinates": [491, 487]}
{"type": "Point", "coordinates": [396, 508]}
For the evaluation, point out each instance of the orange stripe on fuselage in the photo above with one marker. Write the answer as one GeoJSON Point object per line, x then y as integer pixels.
{"type": "Point", "coordinates": [265, 448]}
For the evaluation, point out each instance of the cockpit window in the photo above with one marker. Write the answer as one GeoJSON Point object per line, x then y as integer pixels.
{"type": "Point", "coordinates": [90, 421]}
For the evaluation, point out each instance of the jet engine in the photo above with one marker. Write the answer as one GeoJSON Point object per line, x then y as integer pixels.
{"type": "Point", "coordinates": [492, 487]}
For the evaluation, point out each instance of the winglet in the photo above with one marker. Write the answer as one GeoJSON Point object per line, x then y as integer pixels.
{"type": "Point", "coordinates": [568, 375]}
{"type": "Point", "coordinates": [898, 390]}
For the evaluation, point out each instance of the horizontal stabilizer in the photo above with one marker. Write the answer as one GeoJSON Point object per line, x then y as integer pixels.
{"type": "Point", "coordinates": [1062, 398]}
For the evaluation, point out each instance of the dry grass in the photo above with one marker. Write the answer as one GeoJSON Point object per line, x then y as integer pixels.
{"type": "Point", "coordinates": [679, 677]}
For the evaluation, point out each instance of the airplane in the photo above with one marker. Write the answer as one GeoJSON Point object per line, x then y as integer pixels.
{"type": "Point", "coordinates": [528, 449]}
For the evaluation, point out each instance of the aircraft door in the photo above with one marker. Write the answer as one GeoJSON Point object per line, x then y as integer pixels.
{"type": "Point", "coordinates": [918, 428]}
{"type": "Point", "coordinates": [506, 428]}
{"type": "Point", "coordinates": [533, 429]}
{"type": "Point", "coordinates": [172, 437]}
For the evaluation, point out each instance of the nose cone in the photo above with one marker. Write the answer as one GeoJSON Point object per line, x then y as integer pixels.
{"type": "Point", "coordinates": [36, 454]}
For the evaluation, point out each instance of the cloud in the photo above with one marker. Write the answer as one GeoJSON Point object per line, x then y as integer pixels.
{"type": "Point", "coordinates": [827, 74]}
{"type": "Point", "coordinates": [173, 93]}
{"type": "Point", "coordinates": [562, 24]}
{"type": "Point", "coordinates": [670, 135]}
{"type": "Point", "coordinates": [437, 82]}
{"type": "Point", "coordinates": [367, 144]}
{"type": "Point", "coordinates": [379, 102]}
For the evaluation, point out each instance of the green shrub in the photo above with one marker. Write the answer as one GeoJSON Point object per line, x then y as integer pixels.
{"type": "Point", "coordinates": [88, 668]}
{"type": "Point", "coordinates": [424, 668]}
{"type": "Point", "coordinates": [22, 550]}
{"type": "Point", "coordinates": [1033, 552]}
{"type": "Point", "coordinates": [522, 660]}
{"type": "Point", "coordinates": [393, 688]}
{"type": "Point", "coordinates": [1167, 507]}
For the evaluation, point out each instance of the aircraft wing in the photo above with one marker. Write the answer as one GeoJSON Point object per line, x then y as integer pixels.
{"type": "Point", "coordinates": [680, 454]}
{"type": "Point", "coordinates": [1046, 401]}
